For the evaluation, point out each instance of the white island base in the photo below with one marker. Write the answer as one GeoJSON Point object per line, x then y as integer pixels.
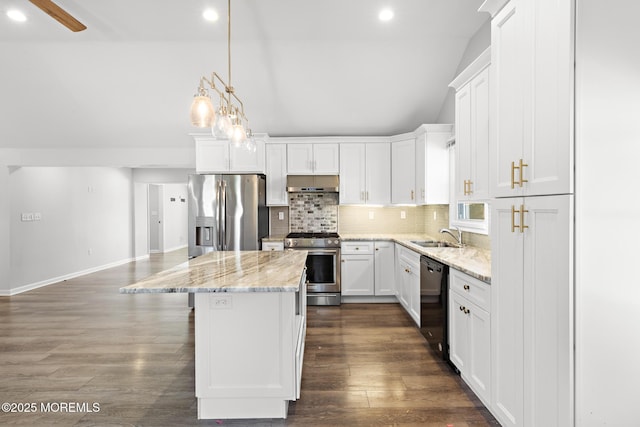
{"type": "Point", "coordinates": [249, 350]}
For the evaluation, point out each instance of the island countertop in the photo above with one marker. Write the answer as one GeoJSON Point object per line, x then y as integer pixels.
{"type": "Point", "coordinates": [228, 271]}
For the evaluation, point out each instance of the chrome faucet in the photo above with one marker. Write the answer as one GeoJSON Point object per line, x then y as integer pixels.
{"type": "Point", "coordinates": [458, 237]}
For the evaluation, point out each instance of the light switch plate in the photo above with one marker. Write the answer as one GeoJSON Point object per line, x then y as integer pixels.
{"type": "Point", "coordinates": [371, 215]}
{"type": "Point", "coordinates": [403, 215]}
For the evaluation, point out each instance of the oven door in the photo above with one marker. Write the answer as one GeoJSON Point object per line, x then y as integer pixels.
{"type": "Point", "coordinates": [323, 270]}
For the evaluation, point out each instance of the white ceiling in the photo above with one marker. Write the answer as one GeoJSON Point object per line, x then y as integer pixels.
{"type": "Point", "coordinates": [301, 67]}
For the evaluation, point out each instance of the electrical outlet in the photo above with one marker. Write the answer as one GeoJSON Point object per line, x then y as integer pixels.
{"type": "Point", "coordinates": [29, 217]}
{"type": "Point", "coordinates": [371, 215]}
{"type": "Point", "coordinates": [435, 215]}
{"type": "Point", "coordinates": [403, 215]}
{"type": "Point", "coordinates": [220, 302]}
{"type": "Point", "coordinates": [37, 216]}
{"type": "Point", "coordinates": [24, 217]}
{"type": "Point", "coordinates": [281, 216]}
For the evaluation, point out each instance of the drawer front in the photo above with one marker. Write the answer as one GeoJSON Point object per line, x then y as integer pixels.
{"type": "Point", "coordinates": [273, 246]}
{"type": "Point", "coordinates": [357, 248]}
{"type": "Point", "coordinates": [471, 288]}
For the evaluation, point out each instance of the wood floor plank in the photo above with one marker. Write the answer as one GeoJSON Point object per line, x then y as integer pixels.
{"type": "Point", "coordinates": [82, 341]}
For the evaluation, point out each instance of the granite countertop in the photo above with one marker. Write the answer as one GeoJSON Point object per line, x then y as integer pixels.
{"type": "Point", "coordinates": [239, 271]}
{"type": "Point", "coordinates": [473, 261]}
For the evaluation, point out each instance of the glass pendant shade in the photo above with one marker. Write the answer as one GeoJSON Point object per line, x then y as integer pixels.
{"type": "Point", "coordinates": [222, 128]}
{"type": "Point", "coordinates": [202, 112]}
{"type": "Point", "coordinates": [239, 135]}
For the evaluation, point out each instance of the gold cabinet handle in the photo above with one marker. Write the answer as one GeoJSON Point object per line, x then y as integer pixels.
{"type": "Point", "coordinates": [522, 212]}
{"type": "Point", "coordinates": [521, 170]}
{"type": "Point", "coordinates": [467, 187]}
{"type": "Point", "coordinates": [366, 196]}
{"type": "Point", "coordinates": [412, 192]}
{"type": "Point", "coordinates": [466, 310]}
{"type": "Point", "coordinates": [513, 173]}
{"type": "Point", "coordinates": [513, 219]}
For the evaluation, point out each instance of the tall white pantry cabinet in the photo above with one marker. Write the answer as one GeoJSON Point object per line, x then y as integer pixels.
{"type": "Point", "coordinates": [531, 179]}
{"type": "Point", "coordinates": [565, 108]}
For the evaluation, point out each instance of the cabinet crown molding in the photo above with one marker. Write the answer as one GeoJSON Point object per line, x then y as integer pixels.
{"type": "Point", "coordinates": [492, 6]}
{"type": "Point", "coordinates": [478, 64]}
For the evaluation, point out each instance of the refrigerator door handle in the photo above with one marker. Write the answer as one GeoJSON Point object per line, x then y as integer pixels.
{"type": "Point", "coordinates": [223, 216]}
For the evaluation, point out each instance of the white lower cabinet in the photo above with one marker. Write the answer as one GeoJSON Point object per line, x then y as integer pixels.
{"type": "Point", "coordinates": [408, 281]}
{"type": "Point", "coordinates": [470, 332]}
{"type": "Point", "coordinates": [384, 264]}
{"type": "Point", "coordinates": [367, 268]}
{"type": "Point", "coordinates": [357, 269]}
{"type": "Point", "coordinates": [532, 326]}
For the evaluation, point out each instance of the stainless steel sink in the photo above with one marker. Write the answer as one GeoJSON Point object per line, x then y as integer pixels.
{"type": "Point", "coordinates": [435, 244]}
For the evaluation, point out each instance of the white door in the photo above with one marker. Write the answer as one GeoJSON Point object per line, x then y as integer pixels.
{"type": "Point", "coordinates": [357, 275]}
{"type": "Point", "coordinates": [155, 218]}
{"type": "Point", "coordinates": [352, 174]}
{"type": "Point", "coordinates": [458, 331]}
{"type": "Point", "coordinates": [507, 95]}
{"type": "Point", "coordinates": [326, 159]}
{"type": "Point", "coordinates": [506, 311]}
{"type": "Point", "coordinates": [299, 159]}
{"type": "Point", "coordinates": [403, 172]}
{"type": "Point", "coordinates": [276, 172]}
{"type": "Point", "coordinates": [378, 173]}
{"type": "Point", "coordinates": [384, 263]}
{"type": "Point", "coordinates": [548, 311]}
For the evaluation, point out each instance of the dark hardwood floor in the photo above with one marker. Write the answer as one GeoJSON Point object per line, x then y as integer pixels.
{"type": "Point", "coordinates": [81, 342]}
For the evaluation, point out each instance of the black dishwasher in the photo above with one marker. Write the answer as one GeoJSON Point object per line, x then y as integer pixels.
{"type": "Point", "coordinates": [434, 313]}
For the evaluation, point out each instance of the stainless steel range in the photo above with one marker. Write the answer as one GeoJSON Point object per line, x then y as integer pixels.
{"type": "Point", "coordinates": [323, 265]}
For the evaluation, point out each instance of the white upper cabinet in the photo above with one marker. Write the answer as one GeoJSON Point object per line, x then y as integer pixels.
{"type": "Point", "coordinates": [365, 173]}
{"type": "Point", "coordinates": [531, 150]}
{"type": "Point", "coordinates": [472, 130]}
{"type": "Point", "coordinates": [313, 159]}
{"type": "Point", "coordinates": [221, 156]}
{"type": "Point", "coordinates": [276, 171]}
{"type": "Point", "coordinates": [403, 171]}
{"type": "Point", "coordinates": [432, 164]}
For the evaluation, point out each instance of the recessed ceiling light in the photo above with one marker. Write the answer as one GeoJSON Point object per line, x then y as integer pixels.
{"type": "Point", "coordinates": [385, 15]}
{"type": "Point", "coordinates": [16, 15]}
{"type": "Point", "coordinates": [210, 15]}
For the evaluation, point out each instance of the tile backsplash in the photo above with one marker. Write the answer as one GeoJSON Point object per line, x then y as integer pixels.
{"type": "Point", "coordinates": [313, 212]}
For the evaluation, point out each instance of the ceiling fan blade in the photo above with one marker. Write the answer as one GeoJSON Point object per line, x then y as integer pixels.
{"type": "Point", "coordinates": [60, 15]}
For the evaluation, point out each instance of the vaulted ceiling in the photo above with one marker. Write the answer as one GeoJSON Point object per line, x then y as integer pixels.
{"type": "Point", "coordinates": [301, 67]}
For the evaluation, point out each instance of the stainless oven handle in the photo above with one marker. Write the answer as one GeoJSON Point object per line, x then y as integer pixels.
{"type": "Point", "coordinates": [314, 251]}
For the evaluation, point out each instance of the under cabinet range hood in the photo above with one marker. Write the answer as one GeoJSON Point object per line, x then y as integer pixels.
{"type": "Point", "coordinates": [313, 183]}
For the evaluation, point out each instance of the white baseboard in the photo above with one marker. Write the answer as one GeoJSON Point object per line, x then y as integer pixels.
{"type": "Point", "coordinates": [36, 285]}
{"type": "Point", "coordinates": [175, 248]}
{"type": "Point", "coordinates": [385, 299]}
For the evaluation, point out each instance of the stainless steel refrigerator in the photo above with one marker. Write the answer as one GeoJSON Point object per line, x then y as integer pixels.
{"type": "Point", "coordinates": [227, 213]}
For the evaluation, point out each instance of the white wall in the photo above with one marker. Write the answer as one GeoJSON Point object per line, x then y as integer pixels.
{"type": "Point", "coordinates": [175, 216]}
{"type": "Point", "coordinates": [480, 41]}
{"type": "Point", "coordinates": [5, 230]}
{"type": "Point", "coordinates": [607, 213]}
{"type": "Point", "coordinates": [86, 222]}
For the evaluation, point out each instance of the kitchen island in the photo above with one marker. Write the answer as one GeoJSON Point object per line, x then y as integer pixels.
{"type": "Point", "coordinates": [250, 327]}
